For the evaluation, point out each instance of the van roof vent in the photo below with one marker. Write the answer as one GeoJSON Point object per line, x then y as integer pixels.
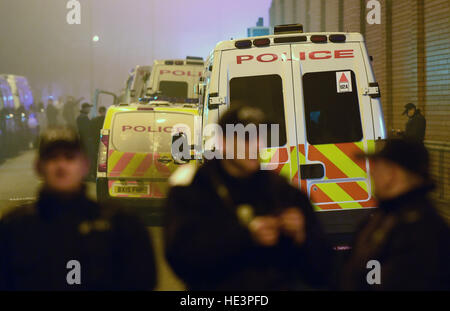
{"type": "Point", "coordinates": [289, 28]}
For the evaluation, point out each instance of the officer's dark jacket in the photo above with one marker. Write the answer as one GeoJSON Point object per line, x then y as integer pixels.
{"type": "Point", "coordinates": [95, 127]}
{"type": "Point", "coordinates": [415, 127]}
{"type": "Point", "coordinates": [209, 249]}
{"type": "Point", "coordinates": [410, 241]}
{"type": "Point", "coordinates": [37, 241]}
{"type": "Point", "coordinates": [84, 127]}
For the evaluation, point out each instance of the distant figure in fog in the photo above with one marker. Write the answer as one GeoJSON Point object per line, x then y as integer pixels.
{"type": "Point", "coordinates": [83, 122]}
{"type": "Point", "coordinates": [416, 125]}
{"type": "Point", "coordinates": [41, 117]}
{"type": "Point", "coordinates": [405, 235]}
{"type": "Point", "coordinates": [112, 247]}
{"type": "Point", "coordinates": [70, 111]}
{"type": "Point", "coordinates": [97, 123]}
{"type": "Point", "coordinates": [52, 113]}
{"type": "Point", "coordinates": [232, 226]}
{"type": "Point", "coordinates": [84, 129]}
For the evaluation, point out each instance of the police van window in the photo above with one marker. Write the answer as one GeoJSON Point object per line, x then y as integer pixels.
{"type": "Point", "coordinates": [331, 107]}
{"type": "Point", "coordinates": [266, 93]}
{"type": "Point", "coordinates": [177, 89]}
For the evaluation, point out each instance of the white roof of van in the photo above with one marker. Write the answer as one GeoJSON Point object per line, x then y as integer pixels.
{"type": "Point", "coordinates": [185, 61]}
{"type": "Point", "coordinates": [350, 37]}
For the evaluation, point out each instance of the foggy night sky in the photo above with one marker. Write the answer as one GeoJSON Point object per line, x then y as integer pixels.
{"type": "Point", "coordinates": [59, 59]}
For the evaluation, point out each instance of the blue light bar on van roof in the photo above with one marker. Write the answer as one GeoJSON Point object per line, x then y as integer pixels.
{"type": "Point", "coordinates": [243, 44]}
{"type": "Point", "coordinates": [337, 38]}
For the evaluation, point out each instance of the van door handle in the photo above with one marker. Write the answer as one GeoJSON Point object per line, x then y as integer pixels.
{"type": "Point", "coordinates": [312, 171]}
{"type": "Point", "coordinates": [165, 160]}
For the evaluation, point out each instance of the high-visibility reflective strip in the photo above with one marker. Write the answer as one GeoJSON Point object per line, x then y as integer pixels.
{"type": "Point", "coordinates": [336, 194]}
{"type": "Point", "coordinates": [133, 164]}
{"type": "Point", "coordinates": [114, 157]}
{"type": "Point", "coordinates": [351, 150]}
{"type": "Point", "coordinates": [144, 166]}
{"type": "Point", "coordinates": [126, 164]}
{"type": "Point", "coordinates": [287, 169]}
{"type": "Point", "coordinates": [357, 190]}
{"type": "Point", "coordinates": [335, 158]}
{"type": "Point", "coordinates": [331, 170]}
{"type": "Point", "coordinates": [124, 160]}
{"type": "Point", "coordinates": [333, 206]}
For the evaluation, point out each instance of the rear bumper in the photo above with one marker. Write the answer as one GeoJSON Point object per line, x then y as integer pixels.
{"type": "Point", "coordinates": [340, 226]}
{"type": "Point", "coordinates": [151, 211]}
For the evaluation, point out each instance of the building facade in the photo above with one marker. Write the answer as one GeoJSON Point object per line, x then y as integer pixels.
{"type": "Point", "coordinates": [411, 59]}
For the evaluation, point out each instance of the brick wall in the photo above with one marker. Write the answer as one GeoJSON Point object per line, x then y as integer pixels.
{"type": "Point", "coordinates": [332, 15]}
{"type": "Point", "coordinates": [351, 16]}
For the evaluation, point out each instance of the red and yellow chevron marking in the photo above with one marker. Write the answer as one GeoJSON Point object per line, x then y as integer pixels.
{"type": "Point", "coordinates": [139, 165]}
{"type": "Point", "coordinates": [302, 157]}
{"type": "Point", "coordinates": [339, 160]}
{"type": "Point", "coordinates": [341, 192]}
{"type": "Point", "coordinates": [340, 163]}
{"type": "Point", "coordinates": [128, 164]}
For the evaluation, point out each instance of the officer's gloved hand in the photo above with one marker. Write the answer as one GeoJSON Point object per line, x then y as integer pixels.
{"type": "Point", "coordinates": [265, 230]}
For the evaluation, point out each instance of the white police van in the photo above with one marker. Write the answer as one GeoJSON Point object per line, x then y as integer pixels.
{"type": "Point", "coordinates": [175, 79]}
{"type": "Point", "coordinates": [321, 91]}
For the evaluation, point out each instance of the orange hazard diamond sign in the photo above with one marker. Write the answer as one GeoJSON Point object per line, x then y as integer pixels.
{"type": "Point", "coordinates": [344, 81]}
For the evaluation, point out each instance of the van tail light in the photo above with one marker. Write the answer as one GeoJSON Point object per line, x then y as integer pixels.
{"type": "Point", "coordinates": [102, 162]}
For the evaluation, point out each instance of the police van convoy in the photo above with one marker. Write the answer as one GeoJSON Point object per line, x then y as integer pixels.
{"type": "Point", "coordinates": [321, 91]}
{"type": "Point", "coordinates": [135, 158]}
{"type": "Point", "coordinates": [17, 120]}
{"type": "Point", "coordinates": [319, 88]}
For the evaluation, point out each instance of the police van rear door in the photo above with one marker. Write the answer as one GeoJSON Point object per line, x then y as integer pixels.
{"type": "Point", "coordinates": [334, 124]}
{"type": "Point", "coordinates": [177, 81]}
{"type": "Point", "coordinates": [261, 77]}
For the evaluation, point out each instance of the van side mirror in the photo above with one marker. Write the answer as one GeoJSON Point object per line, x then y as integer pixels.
{"type": "Point", "coordinates": [180, 150]}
